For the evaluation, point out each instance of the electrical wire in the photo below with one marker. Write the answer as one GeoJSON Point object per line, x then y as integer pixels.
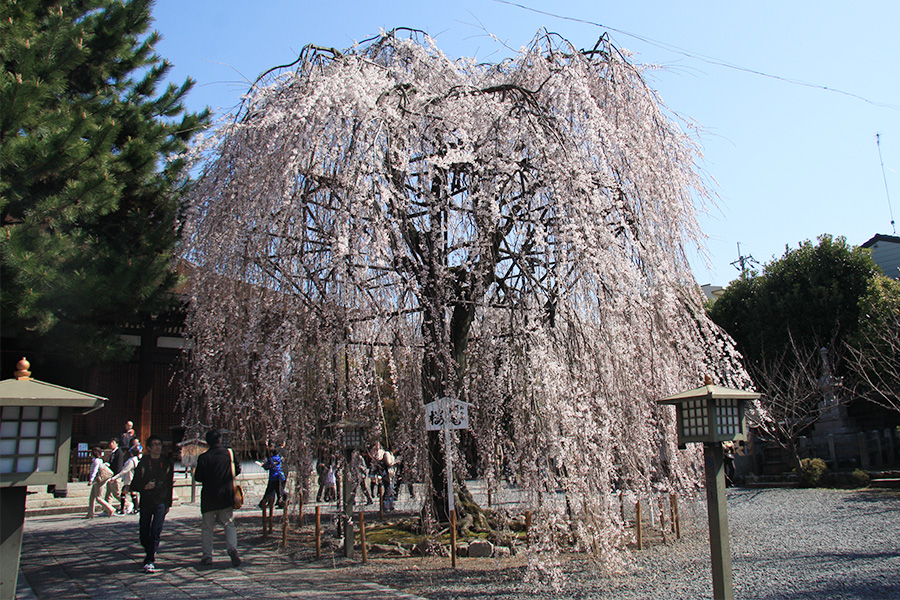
{"type": "Point", "coordinates": [707, 59]}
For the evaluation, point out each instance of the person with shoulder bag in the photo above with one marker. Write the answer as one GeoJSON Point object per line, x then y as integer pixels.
{"type": "Point", "coordinates": [100, 473]}
{"type": "Point", "coordinates": [216, 470]}
{"type": "Point", "coordinates": [128, 499]}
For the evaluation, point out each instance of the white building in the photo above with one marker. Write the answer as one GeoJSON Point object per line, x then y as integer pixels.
{"type": "Point", "coordinates": [886, 253]}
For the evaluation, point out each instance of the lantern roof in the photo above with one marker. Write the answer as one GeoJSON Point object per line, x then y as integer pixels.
{"type": "Point", "coordinates": [31, 392]}
{"type": "Point", "coordinates": [346, 424]}
{"type": "Point", "coordinates": [709, 391]}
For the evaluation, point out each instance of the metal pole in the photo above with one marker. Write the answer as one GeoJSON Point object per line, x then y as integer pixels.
{"type": "Point", "coordinates": [719, 543]}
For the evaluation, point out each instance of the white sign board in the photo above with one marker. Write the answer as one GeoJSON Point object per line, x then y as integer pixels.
{"type": "Point", "coordinates": [446, 413]}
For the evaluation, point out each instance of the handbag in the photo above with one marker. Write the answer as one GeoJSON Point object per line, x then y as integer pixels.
{"type": "Point", "coordinates": [105, 473]}
{"type": "Point", "coordinates": [238, 491]}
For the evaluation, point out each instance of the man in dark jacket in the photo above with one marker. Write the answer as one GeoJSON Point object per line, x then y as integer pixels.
{"type": "Point", "coordinates": [154, 477]}
{"type": "Point", "coordinates": [214, 471]}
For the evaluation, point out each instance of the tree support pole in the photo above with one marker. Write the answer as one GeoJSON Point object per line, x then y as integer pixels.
{"type": "Point", "coordinates": [347, 509]}
{"type": "Point", "coordinates": [719, 543]}
{"type": "Point", "coordinates": [318, 532]}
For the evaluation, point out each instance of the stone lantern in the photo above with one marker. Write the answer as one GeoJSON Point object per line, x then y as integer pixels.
{"type": "Point", "coordinates": [35, 443]}
{"type": "Point", "coordinates": [353, 437]}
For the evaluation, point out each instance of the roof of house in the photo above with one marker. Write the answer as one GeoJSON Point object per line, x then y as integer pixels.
{"type": "Point", "coordinates": [880, 237]}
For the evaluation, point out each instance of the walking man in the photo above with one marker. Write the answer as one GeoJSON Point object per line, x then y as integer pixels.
{"type": "Point", "coordinates": [216, 469]}
{"type": "Point", "coordinates": [153, 478]}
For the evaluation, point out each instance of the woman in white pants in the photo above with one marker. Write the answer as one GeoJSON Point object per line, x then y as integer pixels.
{"type": "Point", "coordinates": [100, 474]}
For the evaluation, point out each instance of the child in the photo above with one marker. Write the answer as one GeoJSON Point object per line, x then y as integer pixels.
{"type": "Point", "coordinates": [275, 488]}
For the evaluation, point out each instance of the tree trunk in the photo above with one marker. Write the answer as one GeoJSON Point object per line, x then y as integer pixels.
{"type": "Point", "coordinates": [434, 376]}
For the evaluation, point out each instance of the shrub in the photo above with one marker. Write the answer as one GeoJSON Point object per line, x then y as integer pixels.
{"type": "Point", "coordinates": [861, 478]}
{"type": "Point", "coordinates": [811, 471]}
{"type": "Point", "coordinates": [848, 481]}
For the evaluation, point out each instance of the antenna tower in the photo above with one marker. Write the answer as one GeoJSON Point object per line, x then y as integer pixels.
{"type": "Point", "coordinates": [886, 192]}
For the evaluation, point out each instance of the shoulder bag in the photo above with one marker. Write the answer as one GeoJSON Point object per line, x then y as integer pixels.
{"type": "Point", "coordinates": [238, 491]}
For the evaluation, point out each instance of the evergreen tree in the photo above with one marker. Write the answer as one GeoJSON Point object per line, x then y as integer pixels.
{"type": "Point", "coordinates": [91, 169]}
{"type": "Point", "coordinates": [808, 298]}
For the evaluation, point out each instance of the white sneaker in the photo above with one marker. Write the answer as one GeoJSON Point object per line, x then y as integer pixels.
{"type": "Point", "coordinates": [149, 568]}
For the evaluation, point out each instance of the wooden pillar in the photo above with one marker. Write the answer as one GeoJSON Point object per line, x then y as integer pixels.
{"type": "Point", "coordinates": [676, 518]}
{"type": "Point", "coordinates": [318, 532]}
{"type": "Point", "coordinates": [145, 383]}
{"type": "Point", "coordinates": [527, 526]}
{"type": "Point", "coordinates": [638, 531]}
{"type": "Point", "coordinates": [453, 538]}
{"type": "Point", "coordinates": [284, 526]}
{"type": "Point", "coordinates": [362, 536]}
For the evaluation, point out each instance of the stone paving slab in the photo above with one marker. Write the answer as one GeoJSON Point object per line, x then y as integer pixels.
{"type": "Point", "coordinates": [67, 557]}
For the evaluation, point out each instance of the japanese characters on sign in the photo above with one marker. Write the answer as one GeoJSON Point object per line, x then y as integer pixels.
{"type": "Point", "coordinates": [446, 413]}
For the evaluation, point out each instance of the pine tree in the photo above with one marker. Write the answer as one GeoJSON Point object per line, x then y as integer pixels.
{"type": "Point", "coordinates": [91, 169]}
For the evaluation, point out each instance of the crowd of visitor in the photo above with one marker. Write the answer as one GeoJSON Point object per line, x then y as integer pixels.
{"type": "Point", "coordinates": [125, 480]}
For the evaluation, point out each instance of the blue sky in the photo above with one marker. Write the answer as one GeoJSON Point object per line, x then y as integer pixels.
{"type": "Point", "coordinates": [788, 161]}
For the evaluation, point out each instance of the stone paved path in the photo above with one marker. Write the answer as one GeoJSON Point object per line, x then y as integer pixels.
{"type": "Point", "coordinates": [66, 557]}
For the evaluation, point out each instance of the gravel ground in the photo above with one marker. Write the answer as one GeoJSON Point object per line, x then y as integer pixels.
{"type": "Point", "coordinates": [787, 544]}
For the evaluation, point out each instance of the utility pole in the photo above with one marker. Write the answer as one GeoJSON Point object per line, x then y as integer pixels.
{"type": "Point", "coordinates": [745, 262]}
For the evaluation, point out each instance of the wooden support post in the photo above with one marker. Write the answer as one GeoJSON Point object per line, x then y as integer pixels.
{"type": "Point", "coordinates": [527, 527]}
{"type": "Point", "coordinates": [284, 526]}
{"type": "Point", "coordinates": [318, 532]}
{"type": "Point", "coordinates": [637, 525]}
{"type": "Point", "coordinates": [662, 516]}
{"type": "Point", "coordinates": [676, 518]}
{"type": "Point", "coordinates": [453, 538]}
{"type": "Point", "coordinates": [266, 519]}
{"type": "Point", "coordinates": [300, 510]}
{"type": "Point", "coordinates": [362, 536]}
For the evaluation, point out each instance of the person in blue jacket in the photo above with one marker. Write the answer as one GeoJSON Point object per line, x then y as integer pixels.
{"type": "Point", "coordinates": [275, 488]}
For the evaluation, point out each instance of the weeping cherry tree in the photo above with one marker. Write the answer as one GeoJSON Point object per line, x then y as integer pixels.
{"type": "Point", "coordinates": [510, 234]}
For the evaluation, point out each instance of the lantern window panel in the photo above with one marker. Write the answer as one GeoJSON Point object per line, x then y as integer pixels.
{"type": "Point", "coordinates": [728, 417]}
{"type": "Point", "coordinates": [695, 418]}
{"type": "Point", "coordinates": [28, 438]}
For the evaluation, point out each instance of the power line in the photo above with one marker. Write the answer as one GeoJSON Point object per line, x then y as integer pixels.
{"type": "Point", "coordinates": [886, 192]}
{"type": "Point", "coordinates": [707, 59]}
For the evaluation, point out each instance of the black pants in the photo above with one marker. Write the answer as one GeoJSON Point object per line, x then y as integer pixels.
{"type": "Point", "coordinates": [274, 489]}
{"type": "Point", "coordinates": [150, 526]}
